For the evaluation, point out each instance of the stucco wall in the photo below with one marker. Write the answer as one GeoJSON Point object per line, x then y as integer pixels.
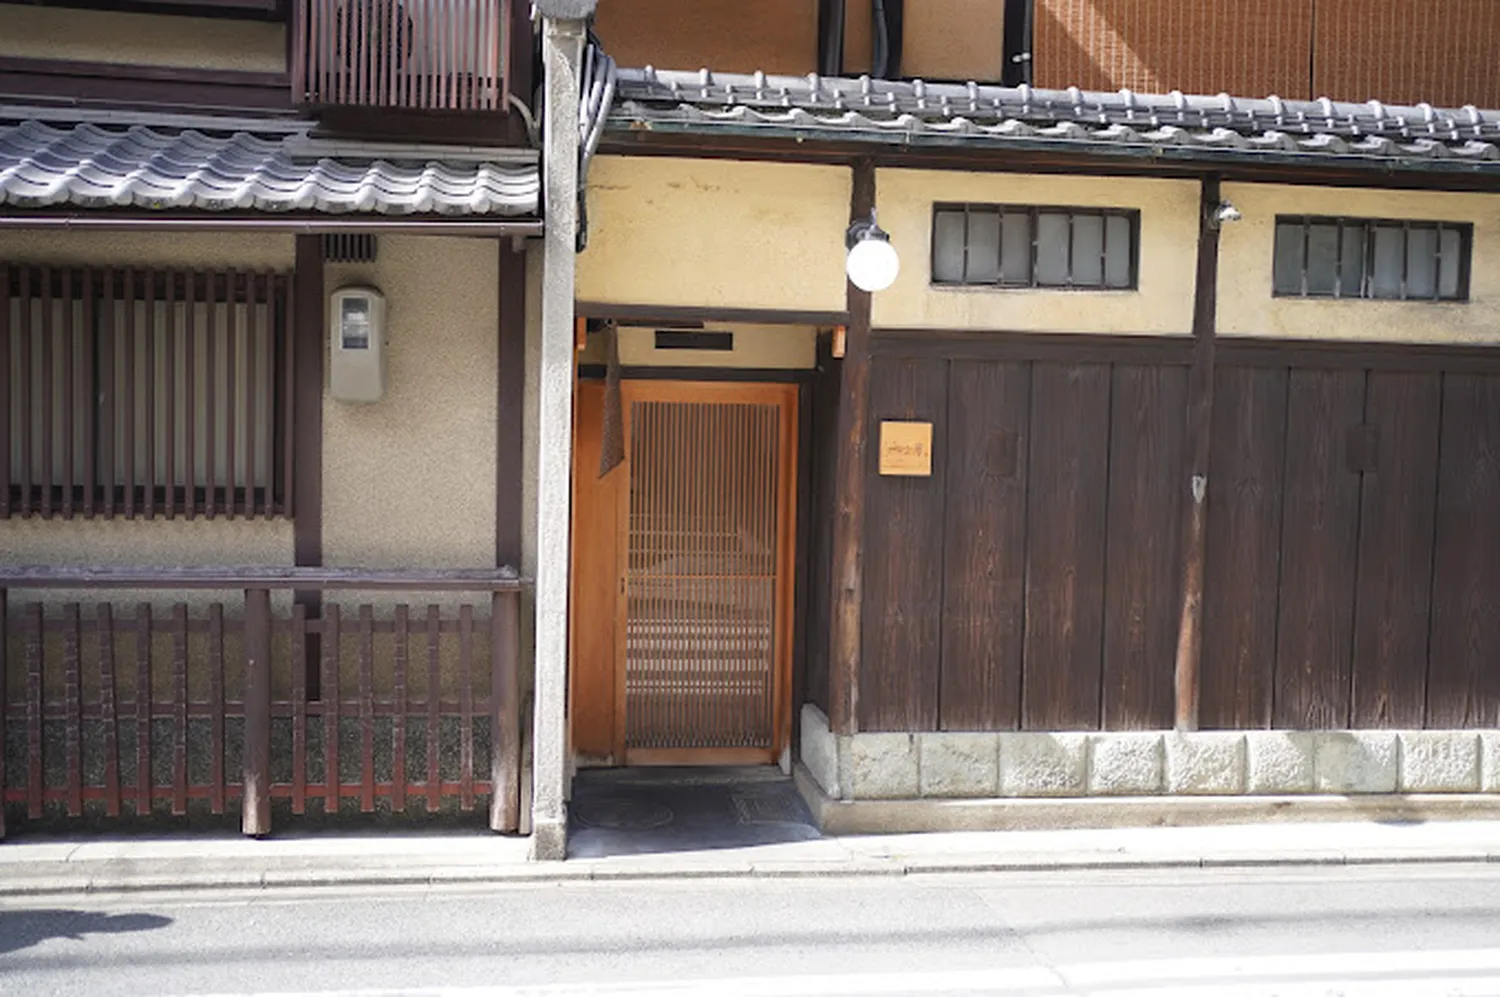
{"type": "Point", "coordinates": [1162, 305]}
{"type": "Point", "coordinates": [715, 233]}
{"type": "Point", "coordinates": [409, 481]}
{"type": "Point", "coordinates": [158, 542]}
{"type": "Point", "coordinates": [1246, 304]}
{"type": "Point", "coordinates": [141, 39]}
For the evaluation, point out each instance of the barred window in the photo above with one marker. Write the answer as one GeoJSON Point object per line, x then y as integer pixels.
{"type": "Point", "coordinates": [1011, 245]}
{"type": "Point", "coordinates": [1371, 258]}
{"type": "Point", "coordinates": [144, 393]}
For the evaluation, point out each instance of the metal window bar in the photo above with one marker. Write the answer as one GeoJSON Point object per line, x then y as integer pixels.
{"type": "Point", "coordinates": [1368, 228]}
{"type": "Point", "coordinates": [1033, 215]}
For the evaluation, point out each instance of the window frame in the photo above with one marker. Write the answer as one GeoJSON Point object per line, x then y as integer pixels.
{"type": "Point", "coordinates": [1368, 226]}
{"type": "Point", "coordinates": [1034, 212]}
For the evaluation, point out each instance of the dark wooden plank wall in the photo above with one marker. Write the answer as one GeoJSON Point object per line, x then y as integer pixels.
{"type": "Point", "coordinates": [822, 464]}
{"type": "Point", "coordinates": [1032, 582]}
{"type": "Point", "coordinates": [1354, 553]}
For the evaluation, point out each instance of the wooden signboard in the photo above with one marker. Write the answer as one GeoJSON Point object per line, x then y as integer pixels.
{"type": "Point", "coordinates": [906, 449]}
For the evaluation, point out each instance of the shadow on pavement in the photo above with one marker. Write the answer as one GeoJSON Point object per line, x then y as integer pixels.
{"type": "Point", "coordinates": [651, 811]}
{"type": "Point", "coordinates": [24, 928]}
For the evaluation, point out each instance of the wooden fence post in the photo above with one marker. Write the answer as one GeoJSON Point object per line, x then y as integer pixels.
{"type": "Point", "coordinates": [505, 712]}
{"type": "Point", "coordinates": [4, 636]}
{"type": "Point", "coordinates": [256, 805]}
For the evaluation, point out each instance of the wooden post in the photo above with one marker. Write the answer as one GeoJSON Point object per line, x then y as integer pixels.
{"type": "Point", "coordinates": [849, 488]}
{"type": "Point", "coordinates": [256, 805]}
{"type": "Point", "coordinates": [509, 404]}
{"type": "Point", "coordinates": [308, 350]}
{"type": "Point", "coordinates": [4, 636]}
{"type": "Point", "coordinates": [505, 712]}
{"type": "Point", "coordinates": [1200, 409]}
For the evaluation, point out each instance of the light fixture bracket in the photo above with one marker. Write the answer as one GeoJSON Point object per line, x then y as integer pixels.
{"type": "Point", "coordinates": [864, 228]}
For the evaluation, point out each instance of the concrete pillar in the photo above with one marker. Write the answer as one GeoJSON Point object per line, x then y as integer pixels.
{"type": "Point", "coordinates": [562, 55]}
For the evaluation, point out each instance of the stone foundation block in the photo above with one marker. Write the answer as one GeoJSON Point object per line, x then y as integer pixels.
{"type": "Point", "coordinates": [883, 767]}
{"type": "Point", "coordinates": [1279, 762]}
{"type": "Point", "coordinates": [1356, 762]}
{"type": "Point", "coordinates": [820, 750]}
{"type": "Point", "coordinates": [1125, 764]}
{"type": "Point", "coordinates": [1208, 763]}
{"type": "Point", "coordinates": [1489, 761]}
{"type": "Point", "coordinates": [1439, 761]}
{"type": "Point", "coordinates": [959, 764]}
{"type": "Point", "coordinates": [1042, 764]}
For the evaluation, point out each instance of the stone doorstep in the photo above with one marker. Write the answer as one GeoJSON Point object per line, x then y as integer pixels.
{"type": "Point", "coordinates": [846, 817]}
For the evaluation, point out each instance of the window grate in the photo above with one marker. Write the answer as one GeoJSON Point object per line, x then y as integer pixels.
{"type": "Point", "coordinates": [1371, 259]}
{"type": "Point", "coordinates": [1012, 245]}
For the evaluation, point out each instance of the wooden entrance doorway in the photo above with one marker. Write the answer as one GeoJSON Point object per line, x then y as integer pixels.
{"type": "Point", "coordinates": [681, 611]}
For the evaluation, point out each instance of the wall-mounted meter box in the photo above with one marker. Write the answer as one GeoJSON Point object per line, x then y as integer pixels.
{"type": "Point", "coordinates": [356, 328]}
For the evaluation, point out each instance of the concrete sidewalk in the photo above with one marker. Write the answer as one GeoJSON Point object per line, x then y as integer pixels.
{"type": "Point", "coordinates": [189, 863]}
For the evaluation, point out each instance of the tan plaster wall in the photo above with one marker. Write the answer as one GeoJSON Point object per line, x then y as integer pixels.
{"type": "Point", "coordinates": [409, 481]}
{"type": "Point", "coordinates": [715, 233]}
{"type": "Point", "coordinates": [141, 39]}
{"type": "Point", "coordinates": [156, 542]}
{"type": "Point", "coordinates": [727, 36]}
{"type": "Point", "coordinates": [756, 347]}
{"type": "Point", "coordinates": [1162, 305]}
{"type": "Point", "coordinates": [1246, 304]}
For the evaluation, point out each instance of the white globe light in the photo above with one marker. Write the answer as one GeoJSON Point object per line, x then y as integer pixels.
{"type": "Point", "coordinates": [873, 264]}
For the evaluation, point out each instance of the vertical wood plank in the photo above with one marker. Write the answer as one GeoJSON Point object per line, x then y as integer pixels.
{"type": "Point", "coordinates": [93, 390]}
{"type": "Point", "coordinates": [434, 690]}
{"type": "Point", "coordinates": [108, 406]}
{"type": "Point", "coordinates": [287, 410]}
{"type": "Point", "coordinates": [73, 709]}
{"type": "Point", "coordinates": [127, 392]}
{"type": "Point", "coordinates": [256, 814]}
{"type": "Point", "coordinates": [984, 559]}
{"type": "Point", "coordinates": [254, 293]}
{"type": "Point", "coordinates": [1398, 502]}
{"type": "Point", "coordinates": [49, 475]}
{"type": "Point", "coordinates": [179, 708]}
{"type": "Point", "coordinates": [330, 690]}
{"type": "Point", "coordinates": [1243, 568]}
{"type": "Point", "coordinates": [4, 641]}
{"type": "Point", "coordinates": [216, 776]}
{"type": "Point", "coordinates": [299, 710]}
{"type": "Point", "coordinates": [366, 708]}
{"type": "Point", "coordinates": [143, 697]}
{"type": "Point", "coordinates": [36, 772]}
{"type": "Point", "coordinates": [7, 274]}
{"type": "Point", "coordinates": [1319, 545]}
{"type": "Point", "coordinates": [232, 338]}
{"type": "Point", "coordinates": [505, 726]}
{"type": "Point", "coordinates": [1068, 488]}
{"type": "Point", "coordinates": [169, 396]}
{"type": "Point", "coordinates": [903, 557]}
{"type": "Point", "coordinates": [1143, 563]}
{"type": "Point", "coordinates": [210, 402]}
{"type": "Point", "coordinates": [398, 709]}
{"type": "Point", "coordinates": [23, 384]}
{"type": "Point", "coordinates": [109, 707]}
{"type": "Point", "coordinates": [67, 347]}
{"type": "Point", "coordinates": [466, 706]}
{"type": "Point", "coordinates": [152, 428]}
{"type": "Point", "coordinates": [1463, 683]}
{"type": "Point", "coordinates": [190, 413]}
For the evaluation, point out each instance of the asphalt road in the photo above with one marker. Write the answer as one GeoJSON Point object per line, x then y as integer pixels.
{"type": "Point", "coordinates": [1408, 931]}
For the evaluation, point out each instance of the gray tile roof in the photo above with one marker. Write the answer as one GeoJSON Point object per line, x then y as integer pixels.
{"type": "Point", "coordinates": [99, 165]}
{"type": "Point", "coordinates": [1171, 126]}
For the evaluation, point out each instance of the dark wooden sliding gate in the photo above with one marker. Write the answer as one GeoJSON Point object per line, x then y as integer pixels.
{"type": "Point", "coordinates": [202, 706]}
{"type": "Point", "coordinates": [1033, 581]}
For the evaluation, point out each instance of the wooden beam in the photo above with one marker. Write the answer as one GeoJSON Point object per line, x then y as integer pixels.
{"type": "Point", "coordinates": [1200, 409]}
{"type": "Point", "coordinates": [510, 388]}
{"type": "Point", "coordinates": [308, 351]}
{"type": "Point", "coordinates": [849, 488]}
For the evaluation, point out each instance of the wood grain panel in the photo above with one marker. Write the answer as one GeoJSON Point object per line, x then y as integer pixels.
{"type": "Point", "coordinates": [595, 582]}
{"type": "Point", "coordinates": [1443, 52]}
{"type": "Point", "coordinates": [823, 463]}
{"type": "Point", "coordinates": [1143, 569]}
{"type": "Point", "coordinates": [1244, 544]}
{"type": "Point", "coordinates": [1066, 507]}
{"type": "Point", "coordinates": [1463, 686]}
{"type": "Point", "coordinates": [984, 559]}
{"type": "Point", "coordinates": [1154, 46]}
{"type": "Point", "coordinates": [1319, 547]}
{"type": "Point", "coordinates": [903, 558]}
{"type": "Point", "coordinates": [1397, 518]}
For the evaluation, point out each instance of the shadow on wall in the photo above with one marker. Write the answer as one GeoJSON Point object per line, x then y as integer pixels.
{"type": "Point", "coordinates": [23, 929]}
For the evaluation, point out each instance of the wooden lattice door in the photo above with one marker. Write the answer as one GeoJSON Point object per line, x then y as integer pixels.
{"type": "Point", "coordinates": [702, 557]}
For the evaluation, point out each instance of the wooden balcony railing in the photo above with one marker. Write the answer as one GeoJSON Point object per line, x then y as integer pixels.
{"type": "Point", "coordinates": [427, 55]}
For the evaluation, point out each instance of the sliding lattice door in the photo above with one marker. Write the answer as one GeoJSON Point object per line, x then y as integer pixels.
{"type": "Point", "coordinates": [707, 571]}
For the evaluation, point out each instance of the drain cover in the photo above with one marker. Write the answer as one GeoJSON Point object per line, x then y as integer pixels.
{"type": "Point", "coordinates": [617, 814]}
{"type": "Point", "coordinates": [765, 809]}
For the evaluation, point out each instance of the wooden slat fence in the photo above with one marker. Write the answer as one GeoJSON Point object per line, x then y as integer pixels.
{"type": "Point", "coordinates": [439, 55]}
{"type": "Point", "coordinates": [194, 706]}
